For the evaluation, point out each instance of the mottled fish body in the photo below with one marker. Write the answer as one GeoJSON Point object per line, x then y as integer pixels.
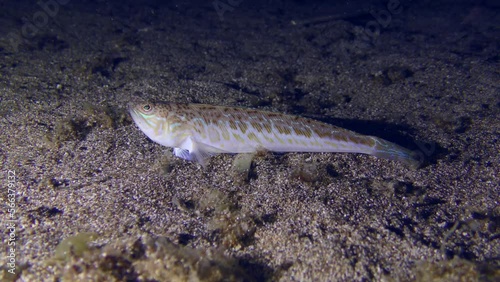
{"type": "Point", "coordinates": [196, 131]}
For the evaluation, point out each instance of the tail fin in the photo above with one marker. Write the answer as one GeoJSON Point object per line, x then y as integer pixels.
{"type": "Point", "coordinates": [390, 151]}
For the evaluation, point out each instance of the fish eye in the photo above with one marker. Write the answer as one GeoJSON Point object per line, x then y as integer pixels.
{"type": "Point", "coordinates": [147, 108]}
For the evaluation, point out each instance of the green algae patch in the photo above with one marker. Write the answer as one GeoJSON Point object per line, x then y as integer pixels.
{"type": "Point", "coordinates": [456, 270]}
{"type": "Point", "coordinates": [89, 117]}
{"type": "Point", "coordinates": [242, 166]}
{"type": "Point", "coordinates": [228, 225]}
{"type": "Point", "coordinates": [137, 259]}
{"type": "Point", "coordinates": [74, 245]}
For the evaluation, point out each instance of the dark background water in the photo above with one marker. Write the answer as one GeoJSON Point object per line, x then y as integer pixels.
{"type": "Point", "coordinates": [424, 74]}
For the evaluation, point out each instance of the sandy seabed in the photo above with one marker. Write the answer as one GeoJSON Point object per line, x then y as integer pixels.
{"type": "Point", "coordinates": [89, 198]}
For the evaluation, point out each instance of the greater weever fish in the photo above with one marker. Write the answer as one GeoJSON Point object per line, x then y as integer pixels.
{"type": "Point", "coordinates": [197, 131]}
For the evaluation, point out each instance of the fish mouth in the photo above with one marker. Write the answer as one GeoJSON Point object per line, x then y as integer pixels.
{"type": "Point", "coordinates": [131, 105]}
{"type": "Point", "coordinates": [132, 110]}
{"type": "Point", "coordinates": [137, 117]}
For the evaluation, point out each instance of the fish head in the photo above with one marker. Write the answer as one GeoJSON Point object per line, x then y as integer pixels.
{"type": "Point", "coordinates": [151, 118]}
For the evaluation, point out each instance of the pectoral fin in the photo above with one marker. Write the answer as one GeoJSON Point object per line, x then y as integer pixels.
{"type": "Point", "coordinates": [195, 155]}
{"type": "Point", "coordinates": [183, 154]}
{"type": "Point", "coordinates": [195, 151]}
